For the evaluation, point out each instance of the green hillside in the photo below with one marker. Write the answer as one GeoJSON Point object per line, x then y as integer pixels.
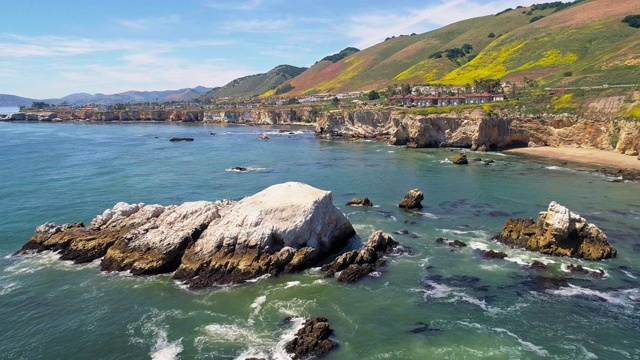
{"type": "Point", "coordinates": [582, 43]}
{"type": "Point", "coordinates": [256, 84]}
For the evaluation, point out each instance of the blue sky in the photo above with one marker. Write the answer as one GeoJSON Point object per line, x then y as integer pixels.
{"type": "Point", "coordinates": [54, 48]}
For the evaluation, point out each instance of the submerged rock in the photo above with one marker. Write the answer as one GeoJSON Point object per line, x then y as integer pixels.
{"type": "Point", "coordinates": [412, 200]}
{"type": "Point", "coordinates": [311, 340]}
{"type": "Point", "coordinates": [175, 139]}
{"type": "Point", "coordinates": [559, 232]}
{"type": "Point", "coordinates": [354, 265]}
{"type": "Point", "coordinates": [359, 202]}
{"type": "Point", "coordinates": [491, 254]}
{"type": "Point", "coordinates": [285, 228]}
{"type": "Point", "coordinates": [452, 243]}
{"type": "Point", "coordinates": [460, 159]}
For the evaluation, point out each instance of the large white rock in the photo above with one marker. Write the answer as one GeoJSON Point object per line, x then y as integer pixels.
{"type": "Point", "coordinates": [286, 227]}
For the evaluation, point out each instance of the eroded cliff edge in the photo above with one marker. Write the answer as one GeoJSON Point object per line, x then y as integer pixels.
{"type": "Point", "coordinates": [476, 129]}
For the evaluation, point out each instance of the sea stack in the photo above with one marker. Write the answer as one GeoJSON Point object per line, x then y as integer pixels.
{"type": "Point", "coordinates": [560, 232]}
{"type": "Point", "coordinates": [412, 200]}
{"type": "Point", "coordinates": [285, 228]}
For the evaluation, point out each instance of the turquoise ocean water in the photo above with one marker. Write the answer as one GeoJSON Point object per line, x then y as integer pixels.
{"type": "Point", "coordinates": [438, 303]}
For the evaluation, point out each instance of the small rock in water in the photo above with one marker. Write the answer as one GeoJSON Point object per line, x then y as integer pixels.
{"type": "Point", "coordinates": [537, 265]}
{"type": "Point", "coordinates": [412, 200]}
{"type": "Point", "coordinates": [175, 139]}
{"type": "Point", "coordinates": [579, 269]}
{"type": "Point", "coordinates": [452, 243]}
{"type": "Point", "coordinates": [355, 265]}
{"type": "Point", "coordinates": [422, 327]}
{"type": "Point", "coordinates": [311, 340]}
{"type": "Point", "coordinates": [402, 232]}
{"type": "Point", "coordinates": [461, 159]}
{"type": "Point", "coordinates": [490, 255]}
{"type": "Point", "coordinates": [360, 202]}
{"type": "Point", "coordinates": [239, 168]}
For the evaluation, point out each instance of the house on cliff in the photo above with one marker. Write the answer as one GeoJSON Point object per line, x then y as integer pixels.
{"type": "Point", "coordinates": [426, 101]}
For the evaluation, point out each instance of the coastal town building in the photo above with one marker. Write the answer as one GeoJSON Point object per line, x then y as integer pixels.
{"type": "Point", "coordinates": [446, 100]}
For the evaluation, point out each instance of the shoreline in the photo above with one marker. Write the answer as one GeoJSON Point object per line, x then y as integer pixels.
{"type": "Point", "coordinates": [624, 167]}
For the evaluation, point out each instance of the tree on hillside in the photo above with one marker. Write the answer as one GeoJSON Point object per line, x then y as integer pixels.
{"type": "Point", "coordinates": [467, 48]}
{"type": "Point", "coordinates": [491, 35]}
{"type": "Point", "coordinates": [374, 95]}
{"type": "Point", "coordinates": [490, 86]}
{"type": "Point", "coordinates": [405, 89]}
{"type": "Point", "coordinates": [39, 105]}
{"type": "Point", "coordinates": [391, 90]}
{"type": "Point", "coordinates": [632, 20]}
{"type": "Point", "coordinates": [293, 101]}
{"type": "Point", "coordinates": [335, 102]}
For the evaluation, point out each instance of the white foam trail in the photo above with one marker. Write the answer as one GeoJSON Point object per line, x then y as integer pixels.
{"type": "Point", "coordinates": [437, 291]}
{"type": "Point", "coordinates": [291, 284]}
{"type": "Point", "coordinates": [536, 349]}
{"type": "Point", "coordinates": [265, 276]}
{"type": "Point", "coordinates": [629, 274]}
{"type": "Point", "coordinates": [164, 349]}
{"type": "Point", "coordinates": [477, 233]}
{"type": "Point", "coordinates": [7, 288]}
{"type": "Point", "coordinates": [476, 245]}
{"type": "Point", "coordinates": [428, 215]}
{"type": "Point", "coordinates": [257, 306]}
{"type": "Point", "coordinates": [620, 298]}
{"type": "Point", "coordinates": [390, 151]}
{"type": "Point", "coordinates": [232, 333]}
{"type": "Point", "coordinates": [565, 268]}
{"type": "Point", "coordinates": [248, 169]}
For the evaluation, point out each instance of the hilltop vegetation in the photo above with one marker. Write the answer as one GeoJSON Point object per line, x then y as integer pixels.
{"type": "Point", "coordinates": [580, 43]}
{"type": "Point", "coordinates": [341, 55]}
{"type": "Point", "coordinates": [254, 85]}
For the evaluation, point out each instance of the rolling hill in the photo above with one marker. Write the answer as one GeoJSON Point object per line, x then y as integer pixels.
{"type": "Point", "coordinates": [563, 44]}
{"type": "Point", "coordinates": [256, 84]}
{"type": "Point", "coordinates": [125, 97]}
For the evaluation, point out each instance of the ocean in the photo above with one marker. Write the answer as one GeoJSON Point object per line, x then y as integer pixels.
{"type": "Point", "coordinates": [6, 110]}
{"type": "Point", "coordinates": [437, 303]}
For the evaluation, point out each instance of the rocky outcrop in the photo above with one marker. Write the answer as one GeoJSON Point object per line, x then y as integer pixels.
{"type": "Point", "coordinates": [452, 243]}
{"type": "Point", "coordinates": [261, 116]}
{"type": "Point", "coordinates": [359, 202]}
{"type": "Point", "coordinates": [412, 200]}
{"type": "Point", "coordinates": [312, 340]}
{"type": "Point", "coordinates": [461, 159]}
{"type": "Point", "coordinates": [559, 232]}
{"type": "Point", "coordinates": [285, 228]}
{"type": "Point", "coordinates": [157, 246]}
{"type": "Point", "coordinates": [354, 265]}
{"type": "Point", "coordinates": [477, 130]}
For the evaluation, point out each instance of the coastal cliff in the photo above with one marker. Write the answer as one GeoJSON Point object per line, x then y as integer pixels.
{"type": "Point", "coordinates": [476, 129]}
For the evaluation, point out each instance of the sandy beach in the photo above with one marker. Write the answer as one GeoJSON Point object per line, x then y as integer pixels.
{"type": "Point", "coordinates": [585, 156]}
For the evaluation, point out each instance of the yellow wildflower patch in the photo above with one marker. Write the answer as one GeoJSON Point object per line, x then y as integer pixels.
{"type": "Point", "coordinates": [487, 65]}
{"type": "Point", "coordinates": [420, 70]}
{"type": "Point", "coordinates": [551, 58]}
{"type": "Point", "coordinates": [564, 102]}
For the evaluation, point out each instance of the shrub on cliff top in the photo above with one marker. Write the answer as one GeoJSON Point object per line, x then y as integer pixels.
{"type": "Point", "coordinates": [632, 20]}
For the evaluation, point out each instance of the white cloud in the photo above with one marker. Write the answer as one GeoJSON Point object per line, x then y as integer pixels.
{"type": "Point", "coordinates": [151, 22]}
{"type": "Point", "coordinates": [234, 5]}
{"type": "Point", "coordinates": [371, 28]}
{"type": "Point", "coordinates": [57, 46]}
{"type": "Point", "coordinates": [258, 26]}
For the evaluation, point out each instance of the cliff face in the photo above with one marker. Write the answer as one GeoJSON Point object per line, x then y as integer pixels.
{"type": "Point", "coordinates": [155, 115]}
{"type": "Point", "coordinates": [475, 129]}
{"type": "Point", "coordinates": [260, 116]}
